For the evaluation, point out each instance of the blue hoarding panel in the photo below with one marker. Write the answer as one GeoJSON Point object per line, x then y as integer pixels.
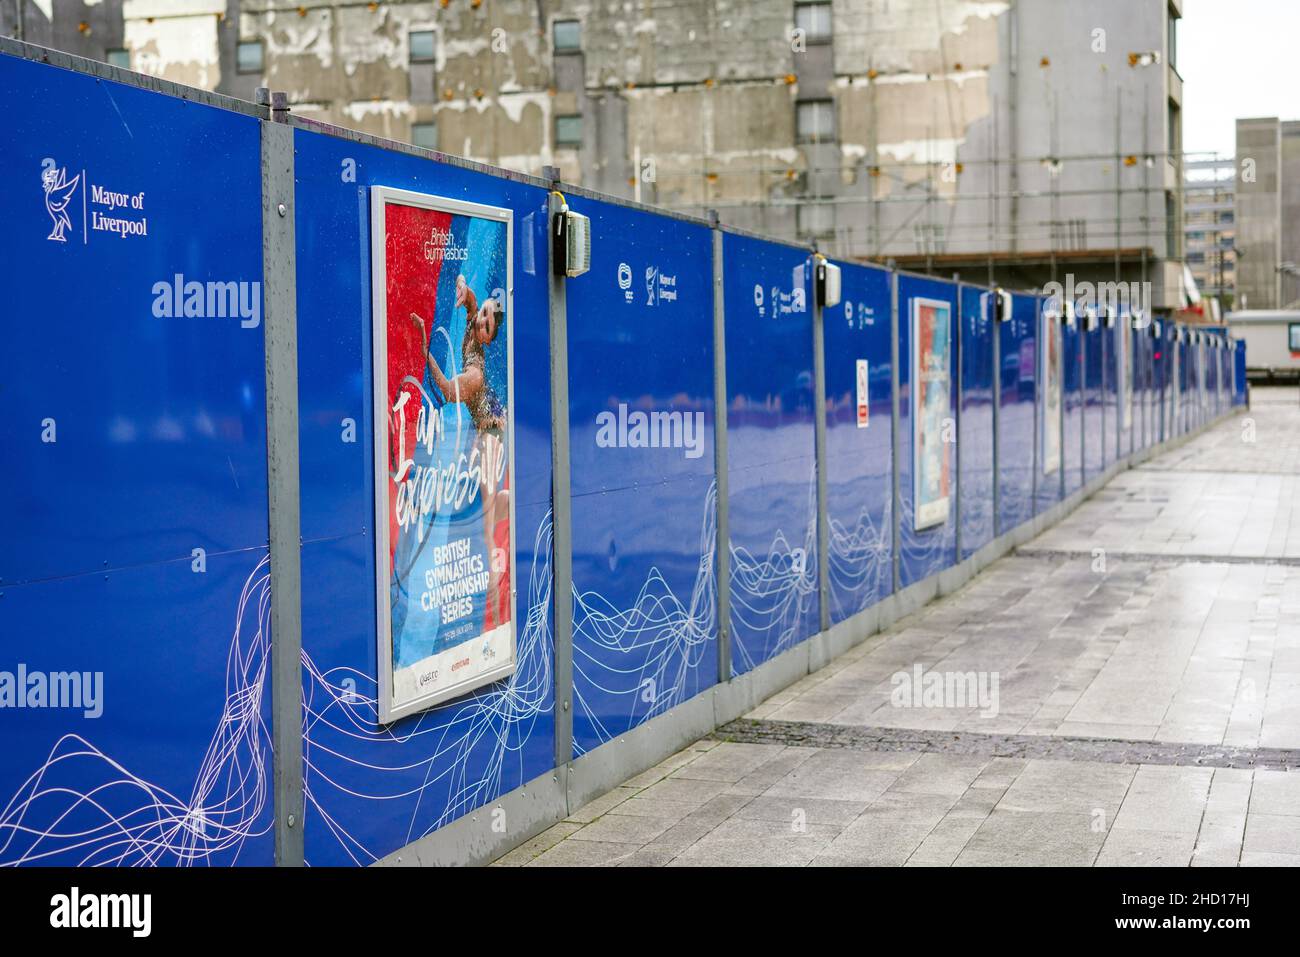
{"type": "Point", "coordinates": [1239, 358]}
{"type": "Point", "coordinates": [135, 520]}
{"type": "Point", "coordinates": [1072, 404]}
{"type": "Point", "coordinates": [975, 423]}
{"type": "Point", "coordinates": [927, 491]}
{"type": "Point", "coordinates": [168, 759]}
{"type": "Point", "coordinates": [1016, 415]}
{"type": "Point", "coordinates": [770, 448]}
{"type": "Point", "coordinates": [1144, 354]}
{"type": "Point", "coordinates": [1094, 449]}
{"type": "Point", "coordinates": [858, 441]}
{"type": "Point", "coordinates": [644, 494]}
{"type": "Point", "coordinates": [1050, 367]}
{"type": "Point", "coordinates": [373, 788]}
{"type": "Point", "coordinates": [1126, 403]}
{"type": "Point", "coordinates": [1165, 381]}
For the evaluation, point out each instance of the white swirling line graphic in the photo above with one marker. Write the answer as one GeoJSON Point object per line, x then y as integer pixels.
{"type": "Point", "coordinates": [165, 828]}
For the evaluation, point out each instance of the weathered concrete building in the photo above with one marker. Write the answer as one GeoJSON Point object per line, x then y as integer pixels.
{"type": "Point", "coordinates": [1268, 213]}
{"type": "Point", "coordinates": [1209, 224]}
{"type": "Point", "coordinates": [1007, 139]}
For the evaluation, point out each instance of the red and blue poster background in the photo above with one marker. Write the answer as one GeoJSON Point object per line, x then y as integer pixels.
{"type": "Point", "coordinates": [447, 511]}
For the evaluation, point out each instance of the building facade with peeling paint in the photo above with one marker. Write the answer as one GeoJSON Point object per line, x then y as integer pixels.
{"type": "Point", "coordinates": [1014, 140]}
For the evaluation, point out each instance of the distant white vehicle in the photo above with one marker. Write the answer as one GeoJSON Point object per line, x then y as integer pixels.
{"type": "Point", "coordinates": [1272, 338]}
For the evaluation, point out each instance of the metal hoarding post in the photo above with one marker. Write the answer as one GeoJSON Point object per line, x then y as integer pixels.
{"type": "Point", "coordinates": [281, 344]}
{"type": "Point", "coordinates": [561, 499]}
{"type": "Point", "coordinates": [722, 552]}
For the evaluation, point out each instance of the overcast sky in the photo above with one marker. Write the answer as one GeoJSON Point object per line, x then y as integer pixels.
{"type": "Point", "coordinates": [1237, 58]}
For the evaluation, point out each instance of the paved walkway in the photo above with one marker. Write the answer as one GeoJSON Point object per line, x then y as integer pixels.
{"type": "Point", "coordinates": [1139, 666]}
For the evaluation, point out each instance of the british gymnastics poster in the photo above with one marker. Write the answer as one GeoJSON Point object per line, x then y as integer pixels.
{"type": "Point", "coordinates": [932, 388]}
{"type": "Point", "coordinates": [443, 447]}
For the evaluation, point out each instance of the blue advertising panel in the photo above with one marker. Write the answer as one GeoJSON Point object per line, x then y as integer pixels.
{"type": "Point", "coordinates": [133, 555]}
{"type": "Point", "coordinates": [1124, 372]}
{"type": "Point", "coordinates": [1017, 420]}
{"type": "Point", "coordinates": [1239, 371]}
{"type": "Point", "coordinates": [1072, 404]}
{"type": "Point", "coordinates": [1211, 376]}
{"type": "Point", "coordinates": [374, 787]}
{"type": "Point", "coordinates": [927, 428]}
{"type": "Point", "coordinates": [1184, 358]}
{"type": "Point", "coordinates": [1094, 397]}
{"type": "Point", "coordinates": [1168, 349]}
{"type": "Point", "coordinates": [975, 422]}
{"type": "Point", "coordinates": [1144, 354]}
{"type": "Point", "coordinates": [771, 448]}
{"type": "Point", "coordinates": [641, 446]}
{"type": "Point", "coordinates": [1051, 407]}
{"type": "Point", "coordinates": [1180, 374]}
{"type": "Point", "coordinates": [859, 411]}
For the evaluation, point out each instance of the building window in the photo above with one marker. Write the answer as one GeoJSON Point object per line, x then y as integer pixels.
{"type": "Point", "coordinates": [814, 19]}
{"type": "Point", "coordinates": [1173, 39]}
{"type": "Point", "coordinates": [1293, 336]}
{"type": "Point", "coordinates": [1175, 134]}
{"type": "Point", "coordinates": [422, 46]}
{"type": "Point", "coordinates": [120, 58]}
{"type": "Point", "coordinates": [815, 218]}
{"type": "Point", "coordinates": [425, 135]}
{"type": "Point", "coordinates": [566, 36]}
{"type": "Point", "coordinates": [815, 121]}
{"type": "Point", "coordinates": [568, 132]}
{"type": "Point", "coordinates": [249, 57]}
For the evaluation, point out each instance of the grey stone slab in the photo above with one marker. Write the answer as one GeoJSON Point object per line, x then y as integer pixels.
{"type": "Point", "coordinates": [525, 852]}
{"type": "Point", "coordinates": [813, 810]}
{"type": "Point", "coordinates": [1165, 799]}
{"type": "Point", "coordinates": [940, 774]}
{"type": "Point", "coordinates": [1262, 859]}
{"type": "Point", "coordinates": [1147, 848]}
{"type": "Point", "coordinates": [1277, 793]}
{"type": "Point", "coordinates": [1032, 838]}
{"type": "Point", "coordinates": [642, 806]}
{"type": "Point", "coordinates": [729, 762]}
{"type": "Point", "coordinates": [750, 843]}
{"type": "Point", "coordinates": [842, 776]}
{"type": "Point", "coordinates": [652, 855]}
{"type": "Point", "coordinates": [584, 854]}
{"type": "Point", "coordinates": [684, 790]}
{"type": "Point", "coordinates": [601, 805]}
{"type": "Point", "coordinates": [623, 829]}
{"type": "Point", "coordinates": [1271, 834]}
{"type": "Point", "coordinates": [720, 807]}
{"type": "Point", "coordinates": [948, 839]}
{"type": "Point", "coordinates": [1060, 787]}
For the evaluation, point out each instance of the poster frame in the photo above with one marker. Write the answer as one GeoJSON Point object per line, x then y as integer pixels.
{"type": "Point", "coordinates": [936, 512]}
{"type": "Point", "coordinates": [390, 709]}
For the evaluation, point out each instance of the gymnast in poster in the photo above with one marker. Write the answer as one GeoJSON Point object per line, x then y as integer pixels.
{"type": "Point", "coordinates": [446, 613]}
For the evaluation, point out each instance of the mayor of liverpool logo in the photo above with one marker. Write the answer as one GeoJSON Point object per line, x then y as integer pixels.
{"type": "Point", "coordinates": [58, 194]}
